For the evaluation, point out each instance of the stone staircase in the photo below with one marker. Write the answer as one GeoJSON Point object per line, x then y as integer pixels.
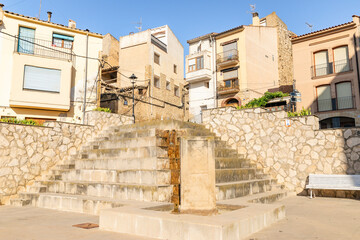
{"type": "Point", "coordinates": [131, 162]}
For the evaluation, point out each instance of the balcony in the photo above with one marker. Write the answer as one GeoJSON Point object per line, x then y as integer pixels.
{"type": "Point", "coordinates": [198, 75]}
{"type": "Point", "coordinates": [227, 58]}
{"type": "Point", "coordinates": [157, 42]}
{"type": "Point", "coordinates": [335, 67]}
{"type": "Point", "coordinates": [334, 104]}
{"type": "Point", "coordinates": [229, 87]}
{"type": "Point", "coordinates": [198, 67]}
{"type": "Point", "coordinates": [43, 48]}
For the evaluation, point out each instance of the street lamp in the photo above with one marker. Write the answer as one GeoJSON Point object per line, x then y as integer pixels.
{"type": "Point", "coordinates": [133, 80]}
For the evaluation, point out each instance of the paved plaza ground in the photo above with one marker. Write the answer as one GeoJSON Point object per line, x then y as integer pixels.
{"type": "Point", "coordinates": [319, 218]}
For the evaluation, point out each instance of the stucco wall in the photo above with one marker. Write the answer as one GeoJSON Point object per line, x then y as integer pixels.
{"type": "Point", "coordinates": [288, 153]}
{"type": "Point", "coordinates": [27, 152]}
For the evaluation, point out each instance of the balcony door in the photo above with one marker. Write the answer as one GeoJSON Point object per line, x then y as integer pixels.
{"type": "Point", "coordinates": [230, 51]}
{"type": "Point", "coordinates": [344, 95]}
{"type": "Point", "coordinates": [321, 63]}
{"type": "Point", "coordinates": [26, 40]}
{"type": "Point", "coordinates": [324, 98]}
{"type": "Point", "coordinates": [341, 59]}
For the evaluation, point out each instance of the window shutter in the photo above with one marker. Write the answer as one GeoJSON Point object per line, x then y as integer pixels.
{"type": "Point", "coordinates": [42, 79]}
{"type": "Point", "coordinates": [321, 58]}
{"type": "Point", "coordinates": [26, 40]}
{"type": "Point", "coordinates": [341, 59]}
{"type": "Point", "coordinates": [324, 98]}
{"type": "Point", "coordinates": [231, 46]}
{"type": "Point", "coordinates": [344, 95]}
{"type": "Point", "coordinates": [192, 61]}
{"type": "Point", "coordinates": [230, 74]}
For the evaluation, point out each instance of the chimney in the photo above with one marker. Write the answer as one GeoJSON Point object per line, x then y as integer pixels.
{"type": "Point", "coordinates": [356, 19]}
{"type": "Point", "coordinates": [1, 13]}
{"type": "Point", "coordinates": [49, 16]}
{"type": "Point", "coordinates": [256, 19]}
{"type": "Point", "coordinates": [72, 24]}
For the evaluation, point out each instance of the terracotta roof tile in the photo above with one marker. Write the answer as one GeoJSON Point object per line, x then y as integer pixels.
{"type": "Point", "coordinates": [33, 18]}
{"type": "Point", "coordinates": [229, 30]}
{"type": "Point", "coordinates": [201, 37]}
{"type": "Point", "coordinates": [322, 30]}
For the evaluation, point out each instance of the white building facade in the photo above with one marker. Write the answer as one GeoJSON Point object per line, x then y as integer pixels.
{"type": "Point", "coordinates": [201, 75]}
{"type": "Point", "coordinates": [43, 68]}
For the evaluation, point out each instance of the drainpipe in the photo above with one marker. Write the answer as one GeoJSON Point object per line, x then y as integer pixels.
{"type": "Point", "coordinates": [357, 61]}
{"type": "Point", "coordinates": [214, 75]}
{"type": "Point", "coordinates": [86, 73]}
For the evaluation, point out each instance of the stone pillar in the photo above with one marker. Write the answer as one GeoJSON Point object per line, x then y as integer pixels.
{"type": "Point", "coordinates": [198, 175]}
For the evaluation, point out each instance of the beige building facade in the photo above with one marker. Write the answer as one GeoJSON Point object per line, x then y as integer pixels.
{"type": "Point", "coordinates": [249, 60]}
{"type": "Point", "coordinates": [155, 57]}
{"type": "Point", "coordinates": [326, 70]}
{"type": "Point", "coordinates": [41, 69]}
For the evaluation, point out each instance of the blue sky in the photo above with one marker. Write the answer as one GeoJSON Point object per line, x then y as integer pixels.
{"type": "Point", "coordinates": [187, 18]}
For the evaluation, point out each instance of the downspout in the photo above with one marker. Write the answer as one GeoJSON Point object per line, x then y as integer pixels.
{"type": "Point", "coordinates": [357, 61]}
{"type": "Point", "coordinates": [214, 75]}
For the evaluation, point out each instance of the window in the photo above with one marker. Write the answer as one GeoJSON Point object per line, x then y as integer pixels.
{"type": "Point", "coordinates": [230, 77]}
{"type": "Point", "coordinates": [344, 95]}
{"type": "Point", "coordinates": [200, 63]}
{"type": "Point", "coordinates": [62, 41]}
{"type": "Point", "coordinates": [230, 51]}
{"type": "Point", "coordinates": [324, 98]}
{"type": "Point", "coordinates": [157, 58]}
{"type": "Point", "coordinates": [42, 79]}
{"type": "Point", "coordinates": [168, 86]}
{"type": "Point", "coordinates": [199, 47]}
{"type": "Point", "coordinates": [156, 81]}
{"type": "Point", "coordinates": [232, 102]}
{"type": "Point", "coordinates": [192, 64]}
{"type": "Point", "coordinates": [196, 63]}
{"type": "Point", "coordinates": [322, 66]}
{"type": "Point", "coordinates": [341, 59]}
{"type": "Point", "coordinates": [230, 74]}
{"type": "Point", "coordinates": [207, 84]}
{"type": "Point", "coordinates": [141, 91]}
{"type": "Point", "coordinates": [175, 68]}
{"type": "Point", "coordinates": [26, 40]}
{"type": "Point", "coordinates": [176, 91]}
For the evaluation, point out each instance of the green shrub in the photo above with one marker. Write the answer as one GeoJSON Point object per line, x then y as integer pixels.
{"type": "Point", "coordinates": [262, 101]}
{"type": "Point", "coordinates": [100, 109]}
{"type": "Point", "coordinates": [303, 112]}
{"type": "Point", "coordinates": [17, 121]}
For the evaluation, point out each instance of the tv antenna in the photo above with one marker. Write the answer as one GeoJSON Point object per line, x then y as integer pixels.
{"type": "Point", "coordinates": [310, 26]}
{"type": "Point", "coordinates": [139, 25]}
{"type": "Point", "coordinates": [252, 7]}
{"type": "Point", "coordinates": [40, 9]}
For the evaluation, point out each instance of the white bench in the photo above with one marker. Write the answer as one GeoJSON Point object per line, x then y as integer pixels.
{"type": "Point", "coordinates": [333, 182]}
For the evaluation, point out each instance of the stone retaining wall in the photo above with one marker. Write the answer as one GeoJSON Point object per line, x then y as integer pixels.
{"type": "Point", "coordinates": [27, 152]}
{"type": "Point", "coordinates": [288, 153]}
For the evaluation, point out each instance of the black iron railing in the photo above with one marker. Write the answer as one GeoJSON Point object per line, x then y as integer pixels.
{"type": "Point", "coordinates": [336, 103]}
{"type": "Point", "coordinates": [42, 48]}
{"type": "Point", "coordinates": [231, 87]}
{"type": "Point", "coordinates": [227, 56]}
{"type": "Point", "coordinates": [339, 66]}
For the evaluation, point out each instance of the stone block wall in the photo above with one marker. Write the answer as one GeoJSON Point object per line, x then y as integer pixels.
{"type": "Point", "coordinates": [27, 152]}
{"type": "Point", "coordinates": [287, 148]}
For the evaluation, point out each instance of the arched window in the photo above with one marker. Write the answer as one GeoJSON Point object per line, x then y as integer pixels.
{"type": "Point", "coordinates": [337, 122]}
{"type": "Point", "coordinates": [232, 102]}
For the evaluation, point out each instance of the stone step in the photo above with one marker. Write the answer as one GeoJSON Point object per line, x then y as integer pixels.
{"type": "Point", "coordinates": [165, 125]}
{"type": "Point", "coordinates": [118, 191]}
{"type": "Point", "coordinates": [225, 153]}
{"type": "Point", "coordinates": [123, 143]}
{"type": "Point", "coordinates": [231, 190]}
{"type": "Point", "coordinates": [232, 162]}
{"type": "Point", "coordinates": [66, 202]}
{"type": "Point", "coordinates": [234, 175]}
{"type": "Point", "coordinates": [155, 177]}
{"type": "Point", "coordinates": [270, 197]}
{"type": "Point", "coordinates": [150, 163]}
{"type": "Point", "coordinates": [112, 135]}
{"type": "Point", "coordinates": [125, 153]}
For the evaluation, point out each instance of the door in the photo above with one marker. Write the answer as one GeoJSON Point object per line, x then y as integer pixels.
{"type": "Point", "coordinates": [26, 40]}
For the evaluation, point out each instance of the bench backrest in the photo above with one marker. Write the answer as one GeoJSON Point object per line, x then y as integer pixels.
{"type": "Point", "coordinates": [334, 180]}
